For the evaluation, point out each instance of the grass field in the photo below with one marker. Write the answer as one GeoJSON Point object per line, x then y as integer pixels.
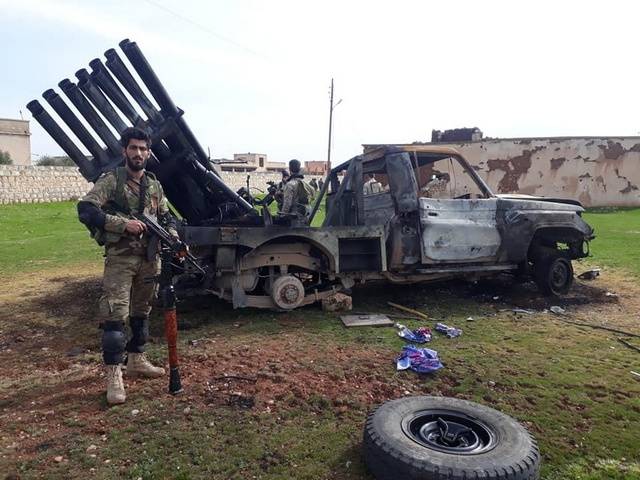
{"type": "Point", "coordinates": [284, 395]}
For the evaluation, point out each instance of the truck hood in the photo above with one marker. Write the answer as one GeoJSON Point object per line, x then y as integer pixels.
{"type": "Point", "coordinates": [535, 198]}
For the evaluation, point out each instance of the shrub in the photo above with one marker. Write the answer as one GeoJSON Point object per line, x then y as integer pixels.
{"type": "Point", "coordinates": [5, 158]}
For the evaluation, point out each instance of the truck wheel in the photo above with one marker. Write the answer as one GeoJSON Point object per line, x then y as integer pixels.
{"type": "Point", "coordinates": [553, 274]}
{"type": "Point", "coordinates": [287, 292]}
{"type": "Point", "coordinates": [437, 437]}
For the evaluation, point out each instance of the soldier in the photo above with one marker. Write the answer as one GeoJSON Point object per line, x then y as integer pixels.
{"type": "Point", "coordinates": [279, 196]}
{"type": "Point", "coordinates": [296, 193]}
{"type": "Point", "coordinates": [130, 258]}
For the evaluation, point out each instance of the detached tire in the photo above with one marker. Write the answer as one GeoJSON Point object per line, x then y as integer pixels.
{"type": "Point", "coordinates": [553, 275]}
{"type": "Point", "coordinates": [445, 438]}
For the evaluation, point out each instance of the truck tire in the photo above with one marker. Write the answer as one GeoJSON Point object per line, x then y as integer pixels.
{"type": "Point", "coordinates": [553, 274]}
{"type": "Point", "coordinates": [446, 438]}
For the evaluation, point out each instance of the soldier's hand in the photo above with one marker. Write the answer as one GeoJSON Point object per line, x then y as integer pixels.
{"type": "Point", "coordinates": [135, 227]}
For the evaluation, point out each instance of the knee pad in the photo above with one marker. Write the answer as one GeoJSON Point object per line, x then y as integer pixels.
{"type": "Point", "coordinates": [113, 341]}
{"type": "Point", "coordinates": [139, 334]}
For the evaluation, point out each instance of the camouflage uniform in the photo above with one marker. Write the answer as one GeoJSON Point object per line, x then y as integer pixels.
{"type": "Point", "coordinates": [297, 195]}
{"type": "Point", "coordinates": [129, 261]}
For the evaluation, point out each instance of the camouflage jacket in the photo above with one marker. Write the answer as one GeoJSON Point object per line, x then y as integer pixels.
{"type": "Point", "coordinates": [103, 195]}
{"type": "Point", "coordinates": [297, 195]}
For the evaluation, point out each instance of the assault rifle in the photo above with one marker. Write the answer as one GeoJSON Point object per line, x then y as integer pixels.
{"type": "Point", "coordinates": [170, 248]}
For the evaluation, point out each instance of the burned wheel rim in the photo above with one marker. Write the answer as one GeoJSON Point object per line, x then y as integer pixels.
{"type": "Point", "coordinates": [449, 432]}
{"type": "Point", "coordinates": [559, 274]}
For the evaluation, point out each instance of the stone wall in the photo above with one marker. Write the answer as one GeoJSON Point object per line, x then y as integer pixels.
{"type": "Point", "coordinates": [31, 184]}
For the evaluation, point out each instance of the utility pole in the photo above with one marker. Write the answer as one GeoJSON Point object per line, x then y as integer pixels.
{"type": "Point", "coordinates": [330, 124]}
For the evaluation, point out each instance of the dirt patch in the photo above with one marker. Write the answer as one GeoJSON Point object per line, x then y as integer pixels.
{"type": "Point", "coordinates": [52, 387]}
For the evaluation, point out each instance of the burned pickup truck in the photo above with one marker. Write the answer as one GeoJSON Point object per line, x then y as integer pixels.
{"type": "Point", "coordinates": [396, 214]}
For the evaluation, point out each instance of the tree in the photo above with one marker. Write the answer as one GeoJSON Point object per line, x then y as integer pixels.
{"type": "Point", "coordinates": [48, 161]}
{"type": "Point", "coordinates": [5, 158]}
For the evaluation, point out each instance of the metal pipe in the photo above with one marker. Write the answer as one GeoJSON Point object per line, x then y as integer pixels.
{"type": "Point", "coordinates": [76, 126]}
{"type": "Point", "coordinates": [95, 95]}
{"type": "Point", "coordinates": [87, 168]}
{"type": "Point", "coordinates": [108, 85]}
{"type": "Point", "coordinates": [167, 107]}
{"type": "Point", "coordinates": [209, 176]}
{"type": "Point", "coordinates": [105, 81]}
{"type": "Point", "coordinates": [121, 72]}
{"type": "Point", "coordinates": [90, 115]}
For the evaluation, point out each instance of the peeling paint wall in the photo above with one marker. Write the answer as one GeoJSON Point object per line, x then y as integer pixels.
{"type": "Point", "coordinates": [597, 171]}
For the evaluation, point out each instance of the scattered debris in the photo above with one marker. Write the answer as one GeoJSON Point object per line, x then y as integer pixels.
{"type": "Point", "coordinates": [366, 320]}
{"type": "Point", "coordinates": [600, 327]}
{"type": "Point", "coordinates": [636, 374]}
{"type": "Point", "coordinates": [419, 335]}
{"type": "Point", "coordinates": [627, 344]}
{"type": "Point", "coordinates": [557, 310]}
{"type": "Point", "coordinates": [450, 332]}
{"type": "Point", "coordinates": [135, 412]}
{"type": "Point", "coordinates": [611, 294]}
{"type": "Point", "coordinates": [91, 448]}
{"type": "Point", "coordinates": [590, 274]}
{"type": "Point", "coordinates": [187, 410]}
{"type": "Point", "coordinates": [421, 360]}
{"type": "Point", "coordinates": [58, 459]}
{"type": "Point", "coordinates": [338, 302]}
{"type": "Point", "coordinates": [409, 310]}
{"type": "Point", "coordinates": [497, 297]}
{"type": "Point", "coordinates": [471, 319]}
{"type": "Point", "coordinates": [523, 310]}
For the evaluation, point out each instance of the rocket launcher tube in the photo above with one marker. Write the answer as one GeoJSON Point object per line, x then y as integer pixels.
{"type": "Point", "coordinates": [102, 104]}
{"type": "Point", "coordinates": [76, 126]}
{"type": "Point", "coordinates": [107, 84]}
{"type": "Point", "coordinates": [91, 116]}
{"type": "Point", "coordinates": [87, 167]}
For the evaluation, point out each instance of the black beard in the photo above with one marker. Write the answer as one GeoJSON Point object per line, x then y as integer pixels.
{"type": "Point", "coordinates": [134, 167]}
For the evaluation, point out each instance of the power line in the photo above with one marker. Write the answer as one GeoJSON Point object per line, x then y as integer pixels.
{"type": "Point", "coordinates": [203, 28]}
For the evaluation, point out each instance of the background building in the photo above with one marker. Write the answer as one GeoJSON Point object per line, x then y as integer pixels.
{"type": "Point", "coordinates": [315, 167]}
{"type": "Point", "coordinates": [250, 162]}
{"type": "Point", "coordinates": [15, 138]}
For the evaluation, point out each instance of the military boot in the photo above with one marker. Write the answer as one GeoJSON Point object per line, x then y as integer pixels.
{"type": "Point", "coordinates": [139, 365]}
{"type": "Point", "coordinates": [115, 385]}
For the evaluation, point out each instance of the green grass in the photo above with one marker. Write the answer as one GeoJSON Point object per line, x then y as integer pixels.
{"type": "Point", "coordinates": [617, 242]}
{"type": "Point", "coordinates": [571, 386]}
{"type": "Point", "coordinates": [34, 236]}
{"type": "Point", "coordinates": [41, 235]}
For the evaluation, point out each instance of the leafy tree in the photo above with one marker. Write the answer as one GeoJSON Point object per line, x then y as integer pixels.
{"type": "Point", "coordinates": [5, 158]}
{"type": "Point", "coordinates": [48, 161]}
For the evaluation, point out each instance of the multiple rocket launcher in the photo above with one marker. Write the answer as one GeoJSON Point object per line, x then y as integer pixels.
{"type": "Point", "coordinates": [178, 160]}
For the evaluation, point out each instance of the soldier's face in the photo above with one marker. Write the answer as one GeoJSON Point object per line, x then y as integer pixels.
{"type": "Point", "coordinates": [136, 154]}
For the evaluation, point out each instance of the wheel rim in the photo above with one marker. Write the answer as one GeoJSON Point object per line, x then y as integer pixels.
{"type": "Point", "coordinates": [449, 431]}
{"type": "Point", "coordinates": [559, 275]}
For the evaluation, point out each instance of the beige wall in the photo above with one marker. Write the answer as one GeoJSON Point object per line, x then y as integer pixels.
{"type": "Point", "coordinates": [597, 171]}
{"type": "Point", "coordinates": [15, 138]}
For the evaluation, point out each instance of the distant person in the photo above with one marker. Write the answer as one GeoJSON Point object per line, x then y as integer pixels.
{"type": "Point", "coordinates": [314, 184]}
{"type": "Point", "coordinates": [320, 184]}
{"type": "Point", "coordinates": [371, 185]}
{"type": "Point", "coordinates": [130, 258]}
{"type": "Point", "coordinates": [297, 193]}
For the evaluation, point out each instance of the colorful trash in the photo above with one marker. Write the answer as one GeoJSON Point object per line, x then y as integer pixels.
{"type": "Point", "coordinates": [421, 360]}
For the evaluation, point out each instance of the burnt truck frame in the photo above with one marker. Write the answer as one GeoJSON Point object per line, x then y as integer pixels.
{"type": "Point", "coordinates": [399, 234]}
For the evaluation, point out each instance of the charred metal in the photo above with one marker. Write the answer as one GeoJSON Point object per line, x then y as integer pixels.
{"type": "Point", "coordinates": [406, 214]}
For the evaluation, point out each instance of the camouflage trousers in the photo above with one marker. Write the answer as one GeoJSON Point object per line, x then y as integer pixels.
{"type": "Point", "coordinates": [125, 292]}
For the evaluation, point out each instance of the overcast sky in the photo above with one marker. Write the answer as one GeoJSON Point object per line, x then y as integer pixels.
{"type": "Point", "coordinates": [253, 76]}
